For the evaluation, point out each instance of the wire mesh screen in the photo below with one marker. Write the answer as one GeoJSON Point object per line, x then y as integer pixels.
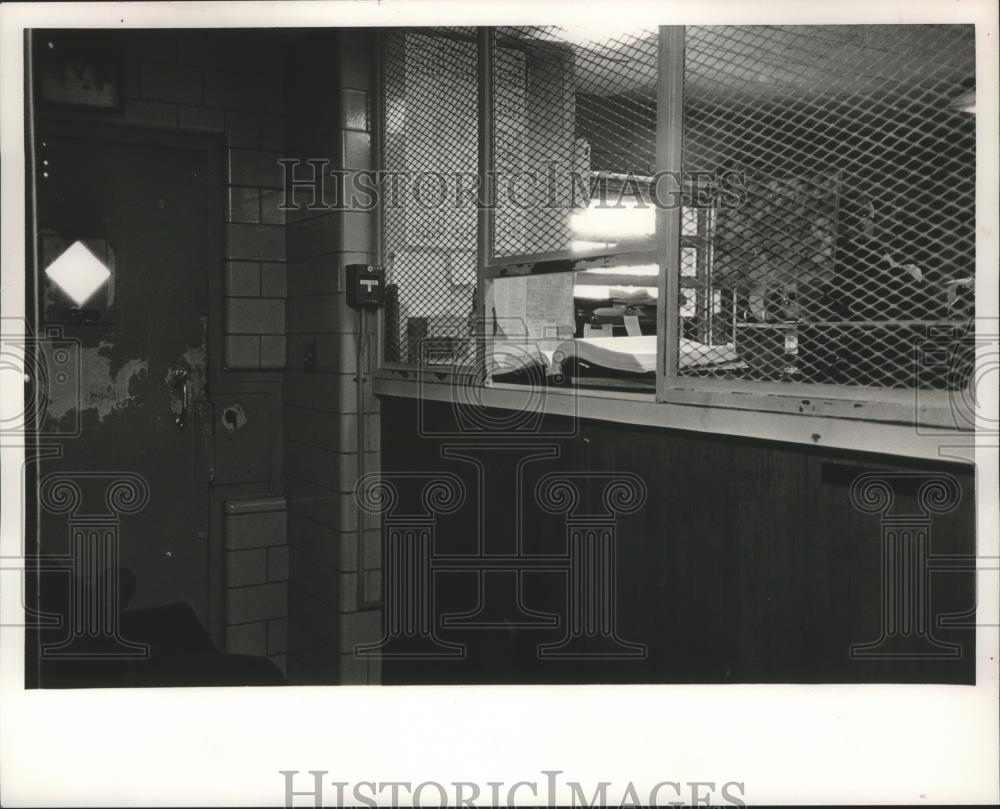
{"type": "Point", "coordinates": [853, 245]}
{"type": "Point", "coordinates": [430, 92]}
{"type": "Point", "coordinates": [570, 105]}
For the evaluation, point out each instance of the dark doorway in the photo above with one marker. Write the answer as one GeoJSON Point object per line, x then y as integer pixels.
{"type": "Point", "coordinates": [127, 237]}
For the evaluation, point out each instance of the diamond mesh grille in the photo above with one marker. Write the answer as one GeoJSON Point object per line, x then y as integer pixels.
{"type": "Point", "coordinates": [569, 105]}
{"type": "Point", "coordinates": [429, 242]}
{"type": "Point", "coordinates": [855, 243]}
{"type": "Point", "coordinates": [850, 245]}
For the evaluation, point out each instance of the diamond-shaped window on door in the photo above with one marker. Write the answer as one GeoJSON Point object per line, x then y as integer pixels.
{"type": "Point", "coordinates": [79, 279]}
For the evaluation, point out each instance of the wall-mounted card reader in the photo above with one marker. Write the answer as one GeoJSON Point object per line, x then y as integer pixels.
{"type": "Point", "coordinates": [365, 285]}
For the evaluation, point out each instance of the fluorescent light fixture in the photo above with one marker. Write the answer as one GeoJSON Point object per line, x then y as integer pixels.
{"type": "Point", "coordinates": [612, 224]}
{"type": "Point", "coordinates": [593, 36]}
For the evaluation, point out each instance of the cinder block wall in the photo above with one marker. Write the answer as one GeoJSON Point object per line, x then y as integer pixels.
{"type": "Point", "coordinates": [257, 578]}
{"type": "Point", "coordinates": [221, 82]}
{"type": "Point", "coordinates": [334, 573]}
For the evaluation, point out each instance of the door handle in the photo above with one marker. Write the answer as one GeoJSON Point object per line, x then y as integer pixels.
{"type": "Point", "coordinates": [181, 381]}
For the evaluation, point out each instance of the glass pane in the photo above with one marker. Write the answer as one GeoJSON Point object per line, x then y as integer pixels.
{"type": "Point", "coordinates": [588, 328]}
{"type": "Point", "coordinates": [79, 278]}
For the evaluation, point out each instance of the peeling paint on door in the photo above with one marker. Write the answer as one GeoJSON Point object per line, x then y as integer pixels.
{"type": "Point", "coordinates": [102, 388]}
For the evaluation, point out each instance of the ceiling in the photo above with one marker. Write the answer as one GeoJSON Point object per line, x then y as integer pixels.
{"type": "Point", "coordinates": [764, 61]}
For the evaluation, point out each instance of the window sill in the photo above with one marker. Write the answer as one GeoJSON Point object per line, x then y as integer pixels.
{"type": "Point", "coordinates": [902, 423]}
{"type": "Point", "coordinates": [917, 409]}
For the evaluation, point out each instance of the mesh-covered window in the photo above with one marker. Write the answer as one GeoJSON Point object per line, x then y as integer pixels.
{"type": "Point", "coordinates": [574, 152]}
{"type": "Point", "coordinates": [572, 107]}
{"type": "Point", "coordinates": [430, 139]}
{"type": "Point", "coordinates": [855, 242]}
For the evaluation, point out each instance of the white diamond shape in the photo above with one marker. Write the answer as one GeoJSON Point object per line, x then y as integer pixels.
{"type": "Point", "coordinates": [78, 272]}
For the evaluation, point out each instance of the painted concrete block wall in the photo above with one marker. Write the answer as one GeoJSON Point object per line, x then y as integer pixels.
{"type": "Point", "coordinates": [222, 86]}
{"type": "Point", "coordinates": [257, 570]}
{"type": "Point", "coordinates": [334, 558]}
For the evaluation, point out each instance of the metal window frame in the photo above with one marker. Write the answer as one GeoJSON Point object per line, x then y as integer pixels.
{"type": "Point", "coordinates": [898, 406]}
{"type": "Point", "coordinates": [492, 266]}
{"type": "Point", "coordinates": [836, 400]}
{"type": "Point", "coordinates": [486, 221]}
{"type": "Point", "coordinates": [378, 162]}
{"type": "Point", "coordinates": [669, 220]}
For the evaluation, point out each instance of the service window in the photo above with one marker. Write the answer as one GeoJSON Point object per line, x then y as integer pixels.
{"type": "Point", "coordinates": [669, 210]}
